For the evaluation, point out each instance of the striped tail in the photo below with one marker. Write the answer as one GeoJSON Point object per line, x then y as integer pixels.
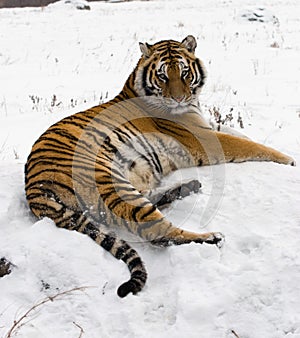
{"type": "Point", "coordinates": [120, 250]}
{"type": "Point", "coordinates": [45, 203]}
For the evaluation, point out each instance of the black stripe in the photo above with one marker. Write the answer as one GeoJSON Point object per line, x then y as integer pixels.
{"type": "Point", "coordinates": [146, 214]}
{"type": "Point", "coordinates": [55, 140]}
{"type": "Point", "coordinates": [31, 177]}
{"type": "Point", "coordinates": [71, 122]}
{"type": "Point", "coordinates": [38, 183]}
{"type": "Point", "coordinates": [202, 74]}
{"type": "Point", "coordinates": [134, 263]}
{"type": "Point", "coordinates": [113, 204]}
{"type": "Point", "coordinates": [62, 132]}
{"type": "Point", "coordinates": [129, 254]}
{"type": "Point", "coordinates": [108, 242]}
{"type": "Point", "coordinates": [45, 207]}
{"type": "Point", "coordinates": [148, 147]}
{"type": "Point", "coordinates": [137, 209]}
{"type": "Point", "coordinates": [76, 221]}
{"type": "Point", "coordinates": [147, 225]}
{"type": "Point", "coordinates": [68, 173]}
{"type": "Point", "coordinates": [168, 131]}
{"type": "Point", "coordinates": [91, 230]}
{"type": "Point", "coordinates": [139, 276]}
{"type": "Point", "coordinates": [144, 81]}
{"type": "Point", "coordinates": [64, 220]}
{"type": "Point", "coordinates": [121, 250]}
{"type": "Point", "coordinates": [82, 117]}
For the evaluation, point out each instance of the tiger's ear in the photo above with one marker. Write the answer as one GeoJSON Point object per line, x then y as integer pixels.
{"type": "Point", "coordinates": [189, 43]}
{"type": "Point", "coordinates": [146, 49]}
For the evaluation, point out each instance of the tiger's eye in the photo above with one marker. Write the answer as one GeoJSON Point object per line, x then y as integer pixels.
{"type": "Point", "coordinates": [185, 73]}
{"type": "Point", "coordinates": [162, 77]}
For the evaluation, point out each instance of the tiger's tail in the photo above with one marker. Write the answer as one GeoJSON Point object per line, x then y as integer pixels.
{"type": "Point", "coordinates": [47, 204]}
{"type": "Point", "coordinates": [120, 250]}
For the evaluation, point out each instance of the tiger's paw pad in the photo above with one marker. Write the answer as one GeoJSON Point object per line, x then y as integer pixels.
{"type": "Point", "coordinates": [216, 238]}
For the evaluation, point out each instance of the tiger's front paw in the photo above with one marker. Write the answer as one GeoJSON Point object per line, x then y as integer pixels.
{"type": "Point", "coordinates": [290, 161]}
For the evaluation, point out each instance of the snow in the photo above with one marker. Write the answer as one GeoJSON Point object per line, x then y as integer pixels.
{"type": "Point", "coordinates": [57, 60]}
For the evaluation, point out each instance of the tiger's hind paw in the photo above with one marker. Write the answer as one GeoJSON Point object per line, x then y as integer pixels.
{"type": "Point", "coordinates": [216, 238]}
{"type": "Point", "coordinates": [189, 187]}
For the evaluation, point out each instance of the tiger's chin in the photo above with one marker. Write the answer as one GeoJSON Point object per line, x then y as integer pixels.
{"type": "Point", "coordinates": [182, 108]}
{"type": "Point", "coordinates": [179, 110]}
{"type": "Point", "coordinates": [159, 104]}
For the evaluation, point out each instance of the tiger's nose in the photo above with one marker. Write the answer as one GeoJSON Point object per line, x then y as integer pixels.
{"type": "Point", "coordinates": [178, 98]}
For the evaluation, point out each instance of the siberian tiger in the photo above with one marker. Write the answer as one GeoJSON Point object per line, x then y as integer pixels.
{"type": "Point", "coordinates": [96, 170]}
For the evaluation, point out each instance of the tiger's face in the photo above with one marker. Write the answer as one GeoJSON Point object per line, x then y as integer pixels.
{"type": "Point", "coordinates": [170, 76]}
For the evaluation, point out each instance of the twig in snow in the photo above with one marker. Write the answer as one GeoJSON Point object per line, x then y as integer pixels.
{"type": "Point", "coordinates": [18, 323]}
{"type": "Point", "coordinates": [80, 328]}
{"type": "Point", "coordinates": [103, 288]}
{"type": "Point", "coordinates": [235, 334]}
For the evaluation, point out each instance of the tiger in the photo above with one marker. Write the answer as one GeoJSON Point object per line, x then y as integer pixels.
{"type": "Point", "coordinates": [98, 171]}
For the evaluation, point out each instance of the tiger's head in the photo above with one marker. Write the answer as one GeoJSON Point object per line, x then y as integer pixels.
{"type": "Point", "coordinates": [169, 75]}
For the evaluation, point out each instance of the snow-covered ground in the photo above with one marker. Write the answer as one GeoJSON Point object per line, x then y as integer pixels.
{"type": "Point", "coordinates": [58, 60]}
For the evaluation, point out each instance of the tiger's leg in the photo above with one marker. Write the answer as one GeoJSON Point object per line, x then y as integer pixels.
{"type": "Point", "coordinates": [178, 237]}
{"type": "Point", "coordinates": [219, 147]}
{"type": "Point", "coordinates": [152, 226]}
{"type": "Point", "coordinates": [159, 231]}
{"type": "Point", "coordinates": [163, 197]}
{"type": "Point", "coordinates": [126, 206]}
{"type": "Point", "coordinates": [141, 217]}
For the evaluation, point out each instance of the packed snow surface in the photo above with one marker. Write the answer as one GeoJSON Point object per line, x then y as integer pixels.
{"type": "Point", "coordinates": [57, 60]}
